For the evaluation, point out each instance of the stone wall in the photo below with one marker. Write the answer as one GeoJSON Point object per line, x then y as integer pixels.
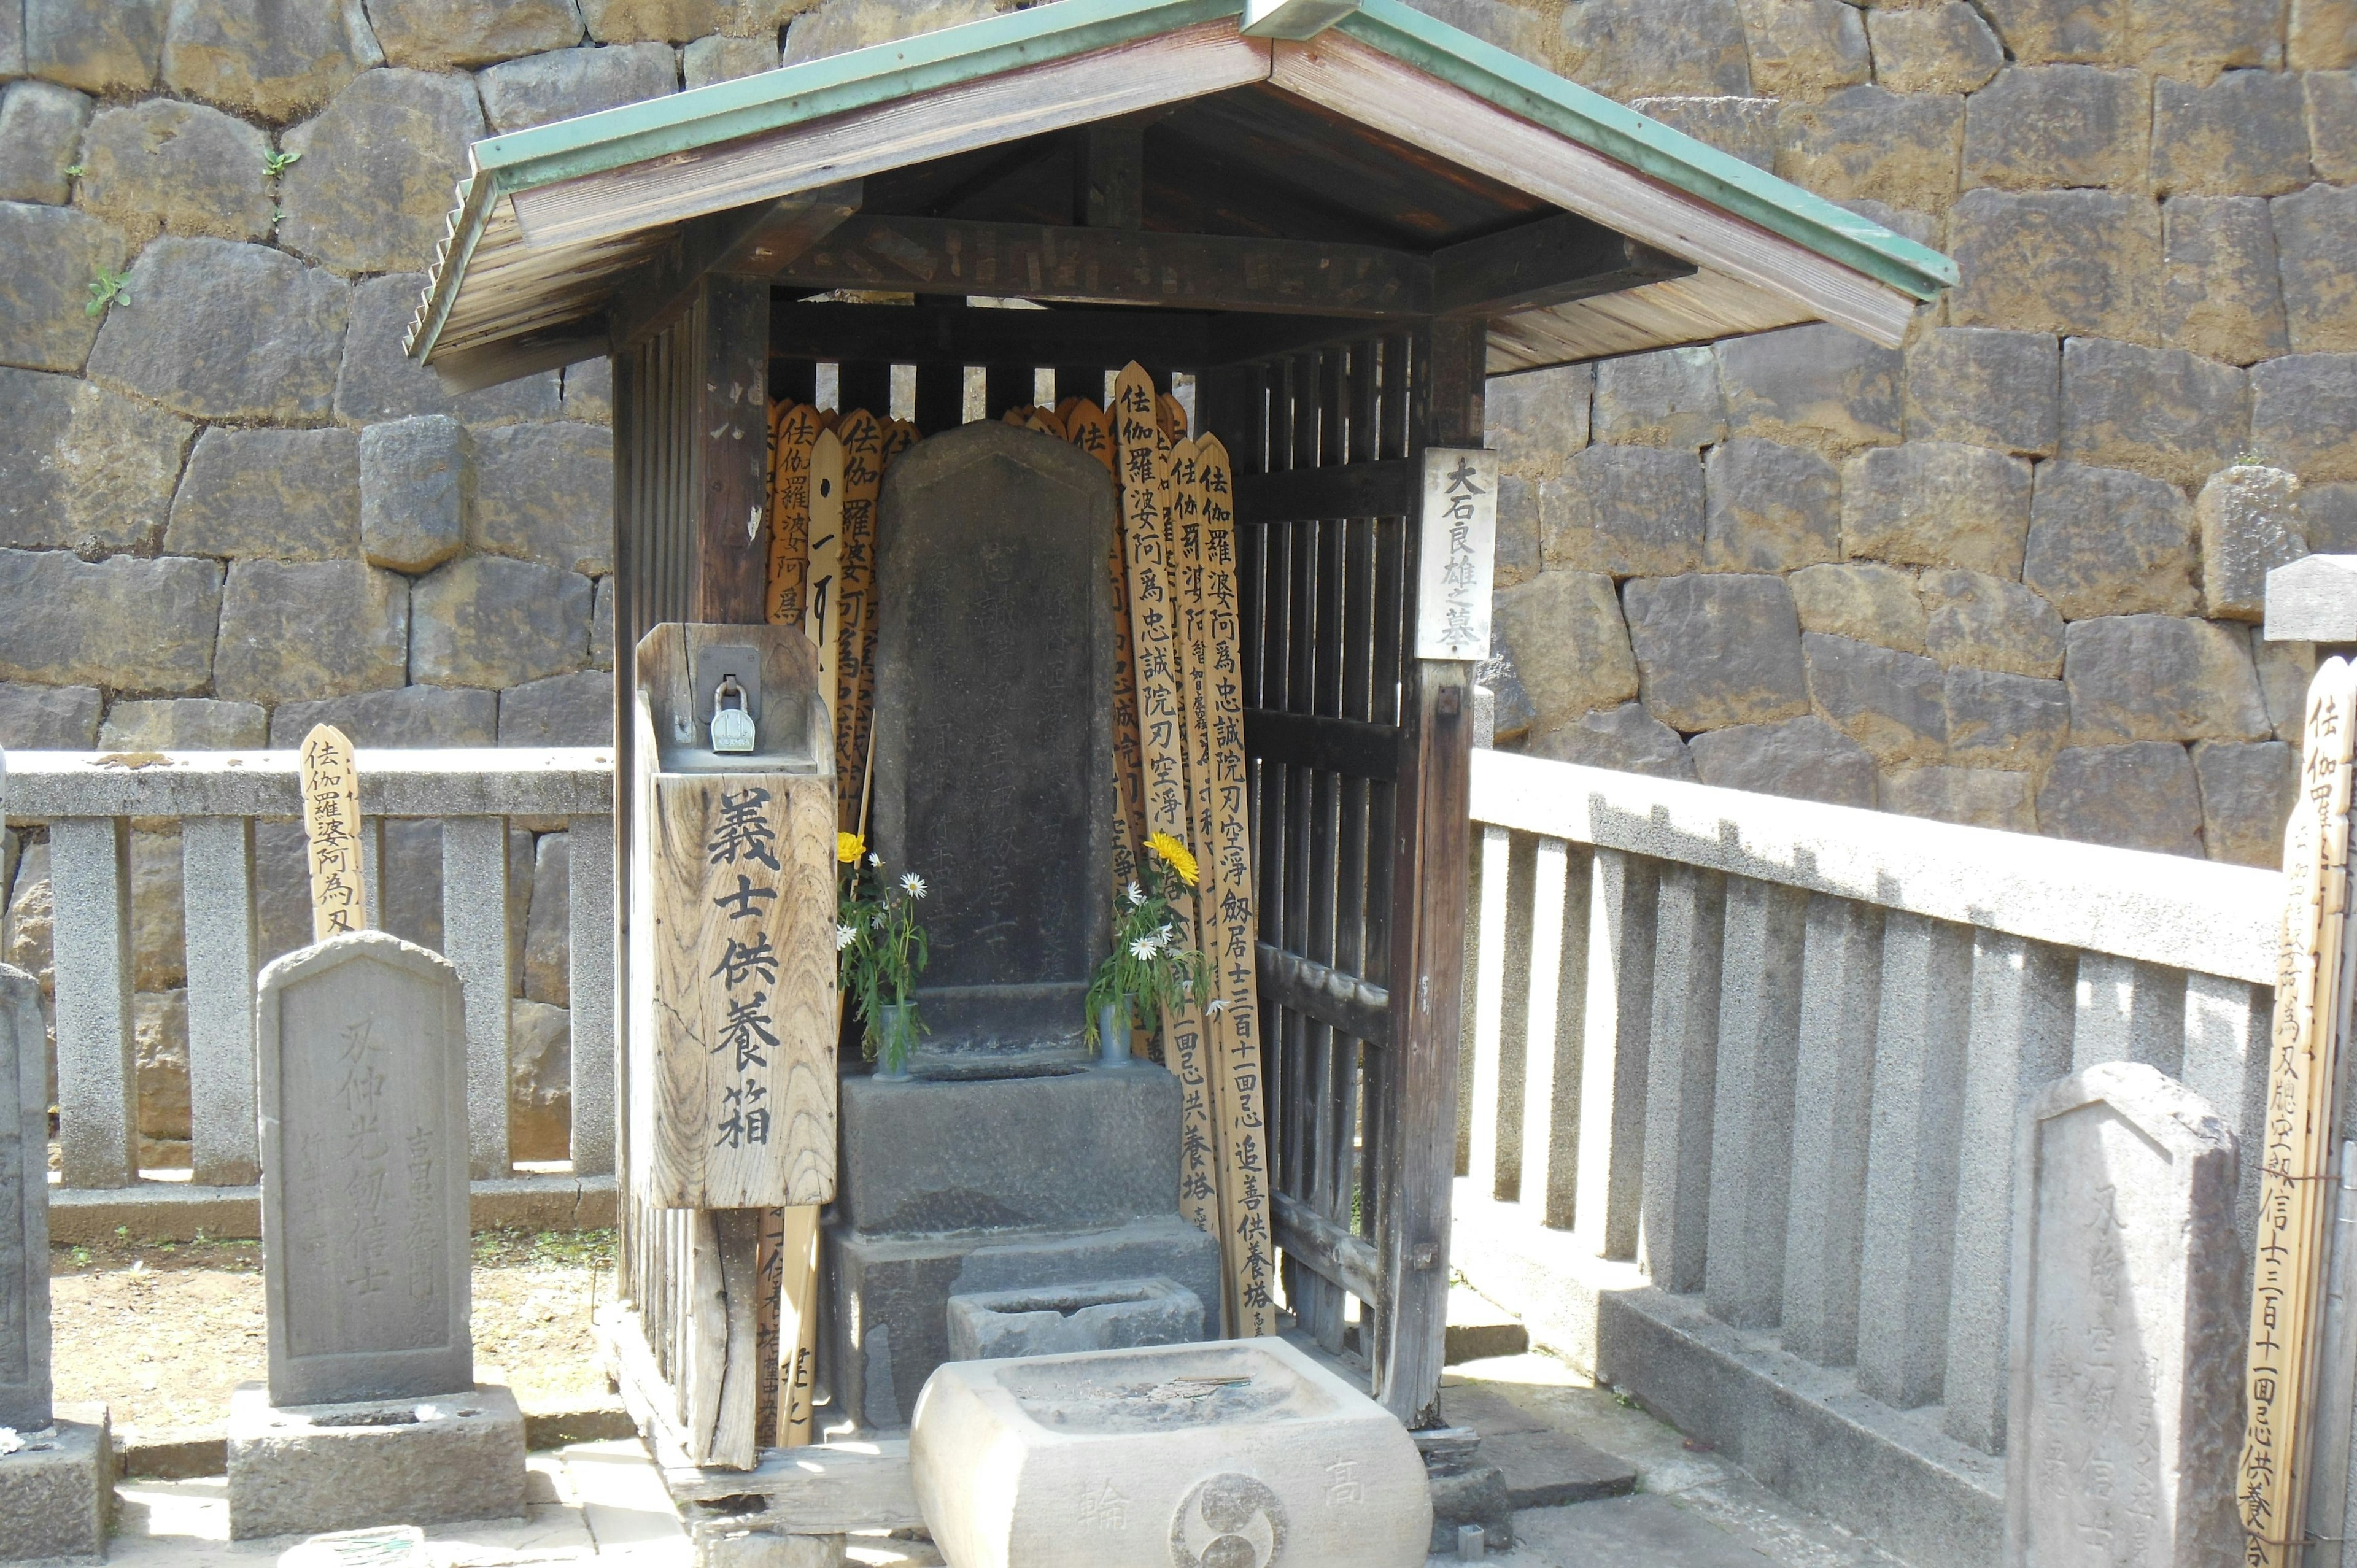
{"type": "Point", "coordinates": [2010, 574]}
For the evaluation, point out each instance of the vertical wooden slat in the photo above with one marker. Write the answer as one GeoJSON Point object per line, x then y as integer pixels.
{"type": "Point", "coordinates": [1751, 1114]}
{"type": "Point", "coordinates": [1010, 386]}
{"type": "Point", "coordinates": [591, 976]}
{"type": "Point", "coordinates": [1616, 1037]}
{"type": "Point", "coordinates": [866, 383]}
{"type": "Point", "coordinates": [941, 398]}
{"type": "Point", "coordinates": [217, 894]}
{"type": "Point", "coordinates": [475, 940]}
{"type": "Point", "coordinates": [1833, 1076]}
{"type": "Point", "coordinates": [731, 461]}
{"type": "Point", "coordinates": [98, 1095]}
{"type": "Point", "coordinates": [793, 381]}
{"type": "Point", "coordinates": [1681, 1067]}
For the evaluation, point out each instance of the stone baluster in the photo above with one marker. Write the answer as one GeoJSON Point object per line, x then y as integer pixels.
{"type": "Point", "coordinates": [1558, 971]}
{"type": "Point", "coordinates": [475, 939]}
{"type": "Point", "coordinates": [1751, 1119]}
{"type": "Point", "coordinates": [1489, 1010]}
{"type": "Point", "coordinates": [2128, 1011]}
{"type": "Point", "coordinates": [1680, 1067]}
{"type": "Point", "coordinates": [1833, 1081]}
{"type": "Point", "coordinates": [217, 894]}
{"type": "Point", "coordinates": [2226, 1033]}
{"type": "Point", "coordinates": [1615, 1038]}
{"type": "Point", "coordinates": [590, 923]}
{"type": "Point", "coordinates": [98, 1109]}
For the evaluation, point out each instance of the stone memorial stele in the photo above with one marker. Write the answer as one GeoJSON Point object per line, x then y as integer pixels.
{"type": "Point", "coordinates": [993, 733]}
{"type": "Point", "coordinates": [55, 1480]}
{"type": "Point", "coordinates": [2126, 1418]}
{"type": "Point", "coordinates": [1243, 1453]}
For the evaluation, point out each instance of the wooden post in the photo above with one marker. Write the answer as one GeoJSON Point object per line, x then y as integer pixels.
{"type": "Point", "coordinates": [730, 449]}
{"type": "Point", "coordinates": [331, 823]}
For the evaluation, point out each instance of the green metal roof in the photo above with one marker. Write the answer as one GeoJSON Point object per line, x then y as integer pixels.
{"type": "Point", "coordinates": [724, 112]}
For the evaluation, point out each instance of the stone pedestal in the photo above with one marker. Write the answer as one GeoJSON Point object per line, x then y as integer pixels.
{"type": "Point", "coordinates": [315, 1468]}
{"type": "Point", "coordinates": [1240, 1454]}
{"type": "Point", "coordinates": [57, 1493]}
{"type": "Point", "coordinates": [1057, 1320]}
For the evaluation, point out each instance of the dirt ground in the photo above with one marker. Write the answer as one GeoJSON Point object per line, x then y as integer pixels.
{"type": "Point", "coordinates": [162, 1331]}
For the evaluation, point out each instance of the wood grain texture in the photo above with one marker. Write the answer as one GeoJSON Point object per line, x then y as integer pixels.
{"type": "Point", "coordinates": [825, 554]}
{"type": "Point", "coordinates": [854, 619]}
{"type": "Point", "coordinates": [331, 832]}
{"type": "Point", "coordinates": [730, 454]}
{"type": "Point", "coordinates": [797, 1366]}
{"type": "Point", "coordinates": [790, 513]}
{"type": "Point", "coordinates": [1368, 85]}
{"type": "Point", "coordinates": [1090, 428]}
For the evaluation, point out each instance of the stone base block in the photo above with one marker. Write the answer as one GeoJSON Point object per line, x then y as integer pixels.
{"type": "Point", "coordinates": [723, 1548]}
{"type": "Point", "coordinates": [57, 1493]}
{"type": "Point", "coordinates": [1059, 1320]}
{"type": "Point", "coordinates": [1246, 1452]}
{"type": "Point", "coordinates": [889, 1295]}
{"type": "Point", "coordinates": [315, 1468]}
{"type": "Point", "coordinates": [1466, 1491]}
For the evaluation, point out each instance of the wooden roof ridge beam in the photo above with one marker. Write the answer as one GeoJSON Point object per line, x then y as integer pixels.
{"type": "Point", "coordinates": [1550, 262]}
{"type": "Point", "coordinates": [760, 239]}
{"type": "Point", "coordinates": [1114, 266]}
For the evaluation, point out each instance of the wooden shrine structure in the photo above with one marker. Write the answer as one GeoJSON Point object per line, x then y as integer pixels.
{"type": "Point", "coordinates": [1338, 220]}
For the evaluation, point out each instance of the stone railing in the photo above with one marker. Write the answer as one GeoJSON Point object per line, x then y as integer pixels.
{"type": "Point", "coordinates": [89, 803]}
{"type": "Point", "coordinates": [1741, 1081]}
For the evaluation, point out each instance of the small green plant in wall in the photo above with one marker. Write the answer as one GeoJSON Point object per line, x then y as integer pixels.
{"type": "Point", "coordinates": [106, 289]}
{"type": "Point", "coordinates": [275, 164]}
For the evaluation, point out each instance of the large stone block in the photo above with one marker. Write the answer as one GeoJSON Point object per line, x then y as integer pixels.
{"type": "Point", "coordinates": [601, 627]}
{"type": "Point", "coordinates": [416, 476]}
{"type": "Point", "coordinates": [376, 381]}
{"type": "Point", "coordinates": [1971, 797]}
{"type": "Point", "coordinates": [40, 138]}
{"type": "Point", "coordinates": [12, 40]}
{"type": "Point", "coordinates": [435, 35]}
{"type": "Point", "coordinates": [2154, 411]}
{"type": "Point", "coordinates": [184, 724]}
{"type": "Point", "coordinates": [133, 623]}
{"type": "Point", "coordinates": [1868, 143]}
{"type": "Point", "coordinates": [1569, 646]}
{"type": "Point", "coordinates": [1628, 510]}
{"type": "Point", "coordinates": [159, 1045]}
{"type": "Point", "coordinates": [2143, 677]}
{"type": "Point", "coordinates": [2107, 542]}
{"type": "Point", "coordinates": [834, 27]}
{"type": "Point", "coordinates": [589, 395]}
{"type": "Point", "coordinates": [54, 254]}
{"type": "Point", "coordinates": [1942, 48]}
{"type": "Point", "coordinates": [1669, 398]}
{"type": "Point", "coordinates": [1769, 508]}
{"type": "Point", "coordinates": [1984, 386]}
{"type": "Point", "coordinates": [2285, 671]}
{"type": "Point", "coordinates": [561, 710]}
{"type": "Point", "coordinates": [1937, 503]}
{"type": "Point", "coordinates": [1818, 387]}
{"type": "Point", "coordinates": [2244, 134]}
{"type": "Point", "coordinates": [2004, 721]}
{"type": "Point", "coordinates": [2056, 260]}
{"type": "Point", "coordinates": [2038, 126]}
{"type": "Point", "coordinates": [1536, 419]}
{"type": "Point", "coordinates": [2316, 231]}
{"type": "Point", "coordinates": [1862, 601]}
{"type": "Point", "coordinates": [540, 1080]}
{"type": "Point", "coordinates": [1742, 127]}
{"type": "Point", "coordinates": [158, 936]}
{"type": "Point", "coordinates": [2329, 513]}
{"type": "Point", "coordinates": [48, 718]}
{"type": "Point", "coordinates": [1889, 702]}
{"type": "Point", "coordinates": [1624, 49]}
{"type": "Point", "coordinates": [1283, 1459]}
{"type": "Point", "coordinates": [2221, 290]}
{"type": "Point", "coordinates": [439, 716]}
{"type": "Point", "coordinates": [310, 629]}
{"type": "Point", "coordinates": [2250, 524]}
{"type": "Point", "coordinates": [1988, 622]}
{"type": "Point", "coordinates": [32, 916]}
{"type": "Point", "coordinates": [266, 58]}
{"type": "Point", "coordinates": [2322, 35]}
{"type": "Point", "coordinates": [1800, 47]}
{"type": "Point", "coordinates": [486, 621]}
{"type": "Point", "coordinates": [2313, 600]}
{"type": "Point", "coordinates": [181, 167]}
{"type": "Point", "coordinates": [2120, 1174]}
{"type": "Point", "coordinates": [324, 1467]}
{"type": "Point", "coordinates": [2304, 415]}
{"type": "Point", "coordinates": [2139, 796]}
{"type": "Point", "coordinates": [2037, 31]}
{"type": "Point", "coordinates": [1518, 559]}
{"type": "Point", "coordinates": [1626, 737]}
{"type": "Point", "coordinates": [547, 940]}
{"type": "Point", "coordinates": [546, 493]}
{"type": "Point", "coordinates": [564, 84]}
{"type": "Point", "coordinates": [287, 495]}
{"type": "Point", "coordinates": [56, 1494]}
{"type": "Point", "coordinates": [373, 189]}
{"type": "Point", "coordinates": [676, 21]}
{"type": "Point", "coordinates": [1716, 649]}
{"type": "Point", "coordinates": [2247, 792]}
{"type": "Point", "coordinates": [1805, 758]}
{"type": "Point", "coordinates": [707, 60]}
{"type": "Point", "coordinates": [112, 48]}
{"type": "Point", "coordinates": [222, 330]}
{"type": "Point", "coordinates": [2330, 102]}
{"type": "Point", "coordinates": [83, 466]}
{"type": "Point", "coordinates": [2193, 40]}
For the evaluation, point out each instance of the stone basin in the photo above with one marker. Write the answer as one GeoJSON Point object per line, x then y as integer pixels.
{"type": "Point", "coordinates": [1239, 1453]}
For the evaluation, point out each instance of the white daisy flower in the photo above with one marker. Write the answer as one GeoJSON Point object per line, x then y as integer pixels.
{"type": "Point", "coordinates": [1143, 948]}
{"type": "Point", "coordinates": [874, 858]}
{"type": "Point", "coordinates": [913, 883]}
{"type": "Point", "coordinates": [845, 935]}
{"type": "Point", "coordinates": [1135, 894]}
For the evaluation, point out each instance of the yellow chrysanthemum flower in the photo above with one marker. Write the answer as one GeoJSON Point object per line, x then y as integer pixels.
{"type": "Point", "coordinates": [1174, 854]}
{"type": "Point", "coordinates": [848, 848]}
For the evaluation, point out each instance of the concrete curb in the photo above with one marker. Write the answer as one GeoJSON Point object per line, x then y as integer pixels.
{"type": "Point", "coordinates": [204, 1451]}
{"type": "Point", "coordinates": [176, 1211]}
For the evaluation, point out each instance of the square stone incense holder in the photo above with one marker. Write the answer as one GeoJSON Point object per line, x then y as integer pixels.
{"type": "Point", "coordinates": [1242, 1453]}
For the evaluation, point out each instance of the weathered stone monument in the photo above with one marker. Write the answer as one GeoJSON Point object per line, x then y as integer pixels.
{"type": "Point", "coordinates": [2126, 1419]}
{"type": "Point", "coordinates": [55, 1482]}
{"type": "Point", "coordinates": [1005, 1165]}
{"type": "Point", "coordinates": [372, 1414]}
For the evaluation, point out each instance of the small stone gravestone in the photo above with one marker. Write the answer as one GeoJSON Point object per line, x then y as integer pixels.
{"type": "Point", "coordinates": [364, 1221]}
{"type": "Point", "coordinates": [2126, 1419]}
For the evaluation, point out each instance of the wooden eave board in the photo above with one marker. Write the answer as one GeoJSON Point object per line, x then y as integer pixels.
{"type": "Point", "coordinates": [1698, 309]}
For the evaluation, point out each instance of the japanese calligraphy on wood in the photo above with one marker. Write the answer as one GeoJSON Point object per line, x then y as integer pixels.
{"type": "Point", "coordinates": [365, 1192]}
{"type": "Point", "coordinates": [789, 512]}
{"type": "Point", "coordinates": [820, 578]}
{"type": "Point", "coordinates": [732, 1038]}
{"type": "Point", "coordinates": [1459, 551]}
{"type": "Point", "coordinates": [2271, 1487]}
{"type": "Point", "coordinates": [331, 823]}
{"type": "Point", "coordinates": [855, 627]}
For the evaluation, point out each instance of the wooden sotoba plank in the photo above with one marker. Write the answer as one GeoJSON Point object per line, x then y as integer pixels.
{"type": "Point", "coordinates": [1207, 58]}
{"type": "Point", "coordinates": [1354, 79]}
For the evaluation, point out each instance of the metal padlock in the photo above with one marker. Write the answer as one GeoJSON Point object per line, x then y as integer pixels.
{"type": "Point", "coordinates": [732, 728]}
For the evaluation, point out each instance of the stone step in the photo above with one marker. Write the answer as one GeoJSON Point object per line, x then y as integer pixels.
{"type": "Point", "coordinates": [1544, 1468]}
{"type": "Point", "coordinates": [1478, 1328]}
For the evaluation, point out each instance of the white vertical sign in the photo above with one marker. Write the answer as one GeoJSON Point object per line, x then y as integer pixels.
{"type": "Point", "coordinates": [1459, 551]}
